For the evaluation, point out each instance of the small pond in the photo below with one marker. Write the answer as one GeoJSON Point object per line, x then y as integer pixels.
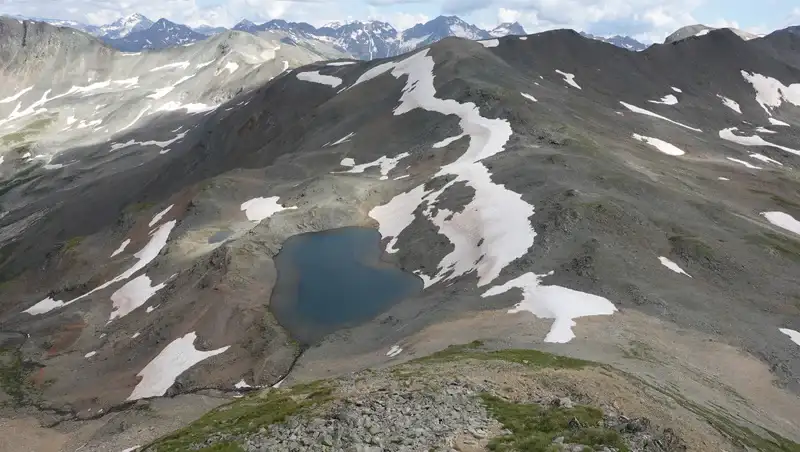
{"type": "Point", "coordinates": [335, 279]}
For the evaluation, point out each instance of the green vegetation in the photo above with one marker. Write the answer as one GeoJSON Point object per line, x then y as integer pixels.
{"type": "Point", "coordinates": [246, 416]}
{"type": "Point", "coordinates": [533, 427]}
{"type": "Point", "coordinates": [531, 358]}
{"type": "Point", "coordinates": [777, 243]}
{"type": "Point", "coordinates": [223, 447]}
{"type": "Point", "coordinates": [14, 373]}
{"type": "Point", "coordinates": [139, 207]}
{"type": "Point", "coordinates": [24, 134]}
{"type": "Point", "coordinates": [72, 243]}
{"type": "Point", "coordinates": [692, 248]}
{"type": "Point", "coordinates": [778, 199]}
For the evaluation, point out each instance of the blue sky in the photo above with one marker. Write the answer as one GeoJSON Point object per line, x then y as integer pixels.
{"type": "Point", "coordinates": [646, 20]}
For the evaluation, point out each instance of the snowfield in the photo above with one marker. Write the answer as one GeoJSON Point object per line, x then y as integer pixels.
{"type": "Point", "coordinates": [569, 79]}
{"type": "Point", "coordinates": [316, 77]}
{"type": "Point", "coordinates": [642, 111]}
{"type": "Point", "coordinates": [660, 145]}
{"type": "Point", "coordinates": [672, 266]}
{"type": "Point", "coordinates": [493, 229]}
{"type": "Point", "coordinates": [258, 209]}
{"type": "Point", "coordinates": [561, 304]}
{"type": "Point", "coordinates": [783, 220]}
{"type": "Point", "coordinates": [176, 358]}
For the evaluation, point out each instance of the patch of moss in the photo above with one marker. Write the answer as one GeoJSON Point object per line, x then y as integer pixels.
{"type": "Point", "coordinates": [531, 358]}
{"type": "Point", "coordinates": [778, 243]}
{"type": "Point", "coordinates": [778, 199]}
{"type": "Point", "coordinates": [534, 427]}
{"type": "Point", "coordinates": [31, 129]}
{"type": "Point", "coordinates": [139, 207]}
{"type": "Point", "coordinates": [692, 248]}
{"type": "Point", "coordinates": [223, 447]}
{"type": "Point", "coordinates": [72, 243]}
{"type": "Point", "coordinates": [14, 373]}
{"type": "Point", "coordinates": [245, 416]}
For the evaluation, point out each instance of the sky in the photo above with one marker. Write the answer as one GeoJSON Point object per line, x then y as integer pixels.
{"type": "Point", "coordinates": [645, 20]}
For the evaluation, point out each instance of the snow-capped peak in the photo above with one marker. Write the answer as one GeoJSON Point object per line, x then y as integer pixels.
{"type": "Point", "coordinates": [126, 25]}
{"type": "Point", "coordinates": [508, 29]}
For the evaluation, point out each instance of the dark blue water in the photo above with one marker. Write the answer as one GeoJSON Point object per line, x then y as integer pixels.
{"type": "Point", "coordinates": [220, 236]}
{"type": "Point", "coordinates": [334, 279]}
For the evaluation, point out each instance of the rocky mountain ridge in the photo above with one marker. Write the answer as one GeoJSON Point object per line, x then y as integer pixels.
{"type": "Point", "coordinates": [362, 39]}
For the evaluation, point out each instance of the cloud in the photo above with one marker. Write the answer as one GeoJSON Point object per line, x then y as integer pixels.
{"type": "Point", "coordinates": [508, 15]}
{"type": "Point", "coordinates": [652, 20]}
{"type": "Point", "coordinates": [392, 2]}
{"type": "Point", "coordinates": [190, 12]}
{"type": "Point", "coordinates": [463, 6]}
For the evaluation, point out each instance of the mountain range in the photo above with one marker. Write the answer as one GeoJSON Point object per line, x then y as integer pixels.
{"type": "Point", "coordinates": [362, 39]}
{"type": "Point", "coordinates": [256, 242]}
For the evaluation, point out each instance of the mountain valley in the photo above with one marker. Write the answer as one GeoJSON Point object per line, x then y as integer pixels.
{"type": "Point", "coordinates": [604, 239]}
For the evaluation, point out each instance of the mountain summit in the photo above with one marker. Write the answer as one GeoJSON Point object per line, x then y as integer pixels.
{"type": "Point", "coordinates": [160, 35]}
{"type": "Point", "coordinates": [124, 26]}
{"type": "Point", "coordinates": [508, 29]}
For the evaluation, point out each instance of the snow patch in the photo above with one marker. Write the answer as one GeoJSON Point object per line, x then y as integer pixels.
{"type": "Point", "coordinates": [342, 140]}
{"type": "Point", "coordinates": [157, 217]}
{"type": "Point", "coordinates": [764, 159]}
{"type": "Point", "coordinates": [778, 122]}
{"type": "Point", "coordinates": [347, 161]}
{"type": "Point", "coordinates": [191, 108]}
{"type": "Point", "coordinates": [90, 354]}
{"type": "Point", "coordinates": [771, 93]}
{"type": "Point", "coordinates": [386, 164]}
{"type": "Point", "coordinates": [490, 43]}
{"type": "Point", "coordinates": [122, 247]}
{"type": "Point", "coordinates": [231, 67]}
{"type": "Point", "coordinates": [794, 336]}
{"type": "Point", "coordinates": [783, 220]}
{"type": "Point", "coordinates": [669, 99]}
{"type": "Point", "coordinates": [135, 335]}
{"type": "Point", "coordinates": [744, 163]}
{"type": "Point", "coordinates": [528, 96]}
{"type": "Point", "coordinates": [242, 384]}
{"type": "Point", "coordinates": [764, 130]}
{"type": "Point", "coordinates": [341, 63]}
{"type": "Point", "coordinates": [258, 209]}
{"type": "Point", "coordinates": [660, 145]}
{"type": "Point", "coordinates": [132, 295]}
{"type": "Point", "coordinates": [493, 229]}
{"type": "Point", "coordinates": [182, 65]}
{"type": "Point", "coordinates": [754, 140]}
{"type": "Point", "coordinates": [730, 103]}
{"type": "Point", "coordinates": [569, 78]}
{"type": "Point", "coordinates": [722, 178]}
{"type": "Point", "coordinates": [642, 111]}
{"type": "Point", "coordinates": [137, 118]}
{"type": "Point", "coordinates": [158, 240]}
{"type": "Point", "coordinates": [677, 90]}
{"type": "Point", "coordinates": [672, 266]}
{"type": "Point", "coordinates": [394, 351]}
{"type": "Point", "coordinates": [176, 358]}
{"type": "Point", "coordinates": [316, 77]}
{"type": "Point", "coordinates": [561, 304]}
{"type": "Point", "coordinates": [446, 142]}
{"type": "Point", "coordinates": [16, 96]}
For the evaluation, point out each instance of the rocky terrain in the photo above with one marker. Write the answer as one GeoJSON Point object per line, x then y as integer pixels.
{"type": "Point", "coordinates": [634, 209]}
